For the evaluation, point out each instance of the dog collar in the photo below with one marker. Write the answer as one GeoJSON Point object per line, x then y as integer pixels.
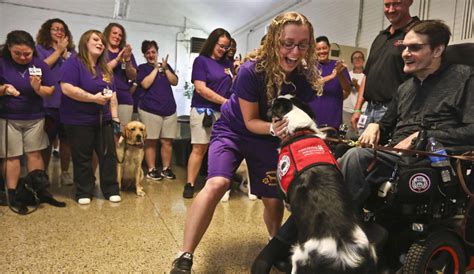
{"type": "Point", "coordinates": [299, 153]}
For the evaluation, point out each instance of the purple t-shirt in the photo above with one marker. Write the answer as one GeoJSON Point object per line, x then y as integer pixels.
{"type": "Point", "coordinates": [79, 113]}
{"type": "Point", "coordinates": [122, 85]}
{"type": "Point", "coordinates": [216, 74]}
{"type": "Point", "coordinates": [55, 100]}
{"type": "Point", "coordinates": [28, 105]}
{"type": "Point", "coordinates": [250, 86]}
{"type": "Point", "coordinates": [328, 107]}
{"type": "Point", "coordinates": [158, 98]}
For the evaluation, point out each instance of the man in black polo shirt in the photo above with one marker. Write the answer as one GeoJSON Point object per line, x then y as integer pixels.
{"type": "Point", "coordinates": [384, 68]}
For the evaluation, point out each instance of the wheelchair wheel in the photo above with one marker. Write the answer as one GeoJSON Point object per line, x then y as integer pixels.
{"type": "Point", "coordinates": [440, 253]}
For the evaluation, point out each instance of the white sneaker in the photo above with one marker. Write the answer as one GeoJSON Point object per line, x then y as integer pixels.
{"type": "Point", "coordinates": [84, 201]}
{"type": "Point", "coordinates": [225, 198]}
{"type": "Point", "coordinates": [115, 198]}
{"type": "Point", "coordinates": [66, 179]}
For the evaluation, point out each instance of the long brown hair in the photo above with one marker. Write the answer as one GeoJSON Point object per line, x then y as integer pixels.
{"type": "Point", "coordinates": [268, 58]}
{"type": "Point", "coordinates": [44, 39]}
{"type": "Point", "coordinates": [107, 31]}
{"type": "Point", "coordinates": [212, 40]}
{"type": "Point", "coordinates": [83, 54]}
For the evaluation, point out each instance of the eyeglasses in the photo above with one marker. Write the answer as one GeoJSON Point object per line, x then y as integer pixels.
{"type": "Point", "coordinates": [22, 54]}
{"type": "Point", "coordinates": [291, 45]}
{"type": "Point", "coordinates": [224, 47]}
{"type": "Point", "coordinates": [58, 30]}
{"type": "Point", "coordinates": [414, 47]}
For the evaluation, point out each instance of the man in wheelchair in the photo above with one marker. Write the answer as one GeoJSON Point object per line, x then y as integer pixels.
{"type": "Point", "coordinates": [424, 215]}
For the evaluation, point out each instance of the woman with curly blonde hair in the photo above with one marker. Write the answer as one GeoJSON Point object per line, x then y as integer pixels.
{"type": "Point", "coordinates": [284, 63]}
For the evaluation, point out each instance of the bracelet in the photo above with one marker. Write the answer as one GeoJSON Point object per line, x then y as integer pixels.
{"type": "Point", "coordinates": [357, 110]}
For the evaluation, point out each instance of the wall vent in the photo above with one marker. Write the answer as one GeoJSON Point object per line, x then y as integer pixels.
{"type": "Point", "coordinates": [197, 44]}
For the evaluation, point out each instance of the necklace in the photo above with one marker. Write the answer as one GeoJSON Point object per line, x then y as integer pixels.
{"type": "Point", "coordinates": [23, 74]}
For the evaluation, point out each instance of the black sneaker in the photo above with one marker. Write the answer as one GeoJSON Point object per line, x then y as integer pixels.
{"type": "Point", "coordinates": [182, 264]}
{"type": "Point", "coordinates": [188, 192]}
{"type": "Point", "coordinates": [168, 174]}
{"type": "Point", "coordinates": [154, 175]}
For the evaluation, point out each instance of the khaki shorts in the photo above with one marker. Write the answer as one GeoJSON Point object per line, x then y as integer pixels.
{"type": "Point", "coordinates": [200, 134]}
{"type": "Point", "coordinates": [125, 114]}
{"type": "Point", "coordinates": [159, 126]}
{"type": "Point", "coordinates": [23, 136]}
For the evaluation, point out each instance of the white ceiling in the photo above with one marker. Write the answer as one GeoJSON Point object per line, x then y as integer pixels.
{"type": "Point", "coordinates": [207, 15]}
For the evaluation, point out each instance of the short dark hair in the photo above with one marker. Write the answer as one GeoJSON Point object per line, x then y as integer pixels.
{"type": "Point", "coordinates": [323, 39]}
{"type": "Point", "coordinates": [108, 29]}
{"type": "Point", "coordinates": [212, 40]}
{"type": "Point", "coordinates": [146, 45]}
{"type": "Point", "coordinates": [17, 37]}
{"type": "Point", "coordinates": [437, 31]}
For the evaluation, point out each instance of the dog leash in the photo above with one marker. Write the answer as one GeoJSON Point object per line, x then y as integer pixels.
{"type": "Point", "coordinates": [5, 170]}
{"type": "Point", "coordinates": [467, 156]}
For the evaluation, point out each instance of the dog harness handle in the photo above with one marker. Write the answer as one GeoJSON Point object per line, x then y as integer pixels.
{"type": "Point", "coordinates": [300, 153]}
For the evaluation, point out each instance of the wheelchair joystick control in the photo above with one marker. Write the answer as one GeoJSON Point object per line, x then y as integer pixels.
{"type": "Point", "coordinates": [439, 161]}
{"type": "Point", "coordinates": [384, 189]}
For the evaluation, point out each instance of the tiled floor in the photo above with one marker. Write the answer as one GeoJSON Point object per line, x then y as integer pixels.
{"type": "Point", "coordinates": [140, 234]}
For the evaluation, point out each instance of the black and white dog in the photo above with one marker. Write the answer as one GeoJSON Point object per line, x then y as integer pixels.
{"type": "Point", "coordinates": [330, 239]}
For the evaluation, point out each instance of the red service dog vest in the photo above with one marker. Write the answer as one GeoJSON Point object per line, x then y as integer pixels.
{"type": "Point", "coordinates": [300, 153]}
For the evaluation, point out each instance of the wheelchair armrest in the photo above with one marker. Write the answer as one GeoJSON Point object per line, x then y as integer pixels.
{"type": "Point", "coordinates": [456, 150]}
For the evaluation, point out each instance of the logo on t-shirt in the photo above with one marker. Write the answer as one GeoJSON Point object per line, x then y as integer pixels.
{"type": "Point", "coordinates": [398, 43]}
{"type": "Point", "coordinates": [106, 78]}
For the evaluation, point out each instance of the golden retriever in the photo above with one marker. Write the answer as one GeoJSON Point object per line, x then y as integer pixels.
{"type": "Point", "coordinates": [130, 153]}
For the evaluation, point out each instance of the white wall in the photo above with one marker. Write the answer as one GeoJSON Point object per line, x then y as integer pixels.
{"type": "Point", "coordinates": [30, 19]}
{"type": "Point", "coordinates": [338, 20]}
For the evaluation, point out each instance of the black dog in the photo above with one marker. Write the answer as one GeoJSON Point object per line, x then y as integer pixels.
{"type": "Point", "coordinates": [330, 239]}
{"type": "Point", "coordinates": [32, 190]}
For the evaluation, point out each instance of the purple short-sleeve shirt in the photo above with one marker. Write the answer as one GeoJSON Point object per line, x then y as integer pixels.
{"type": "Point", "coordinates": [250, 86]}
{"type": "Point", "coordinates": [28, 105]}
{"type": "Point", "coordinates": [328, 107]}
{"type": "Point", "coordinates": [55, 100]}
{"type": "Point", "coordinates": [75, 112]}
{"type": "Point", "coordinates": [158, 98]}
{"type": "Point", "coordinates": [217, 76]}
{"type": "Point", "coordinates": [122, 85]}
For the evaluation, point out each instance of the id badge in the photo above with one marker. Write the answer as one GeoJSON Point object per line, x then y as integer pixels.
{"type": "Point", "coordinates": [362, 121]}
{"type": "Point", "coordinates": [107, 92]}
{"type": "Point", "coordinates": [123, 65]}
{"type": "Point", "coordinates": [34, 71]}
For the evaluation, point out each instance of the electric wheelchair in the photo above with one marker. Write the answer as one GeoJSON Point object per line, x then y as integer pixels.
{"type": "Point", "coordinates": [428, 221]}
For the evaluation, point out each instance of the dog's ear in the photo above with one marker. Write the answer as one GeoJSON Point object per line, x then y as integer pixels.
{"type": "Point", "coordinates": [126, 132]}
{"type": "Point", "coordinates": [144, 133]}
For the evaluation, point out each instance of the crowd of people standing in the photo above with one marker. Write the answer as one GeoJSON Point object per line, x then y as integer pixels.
{"type": "Point", "coordinates": [49, 91]}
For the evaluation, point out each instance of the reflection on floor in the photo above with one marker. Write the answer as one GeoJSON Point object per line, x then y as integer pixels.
{"type": "Point", "coordinates": [137, 235]}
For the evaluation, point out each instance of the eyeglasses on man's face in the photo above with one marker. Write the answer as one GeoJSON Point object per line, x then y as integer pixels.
{"type": "Point", "coordinates": [413, 47]}
{"type": "Point", "coordinates": [287, 44]}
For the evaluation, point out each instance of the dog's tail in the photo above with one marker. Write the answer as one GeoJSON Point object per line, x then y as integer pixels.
{"type": "Point", "coordinates": [335, 254]}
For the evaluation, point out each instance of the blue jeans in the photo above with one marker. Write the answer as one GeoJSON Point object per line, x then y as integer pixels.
{"type": "Point", "coordinates": [354, 164]}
